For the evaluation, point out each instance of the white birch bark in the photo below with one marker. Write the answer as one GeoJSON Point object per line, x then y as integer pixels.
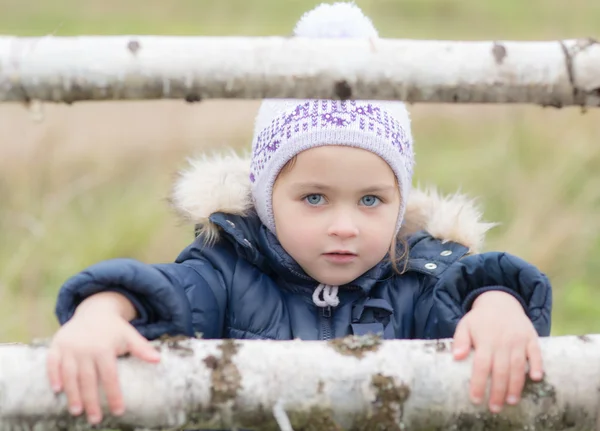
{"type": "Point", "coordinates": [355, 383]}
{"type": "Point", "coordinates": [69, 69]}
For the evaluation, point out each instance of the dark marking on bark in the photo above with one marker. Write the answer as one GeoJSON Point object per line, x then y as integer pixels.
{"type": "Point", "coordinates": [482, 421]}
{"type": "Point", "coordinates": [343, 90]}
{"type": "Point", "coordinates": [24, 94]}
{"type": "Point", "coordinates": [388, 407]}
{"type": "Point", "coordinates": [178, 344]}
{"type": "Point", "coordinates": [570, 70]}
{"type": "Point", "coordinates": [593, 93]}
{"type": "Point", "coordinates": [569, 418]}
{"type": "Point", "coordinates": [356, 345]}
{"type": "Point", "coordinates": [316, 419]}
{"type": "Point", "coordinates": [553, 104]}
{"type": "Point", "coordinates": [134, 46]}
{"type": "Point", "coordinates": [585, 338]}
{"type": "Point", "coordinates": [499, 52]}
{"type": "Point", "coordinates": [211, 362]}
{"type": "Point", "coordinates": [580, 46]}
{"type": "Point", "coordinates": [192, 98]}
{"type": "Point", "coordinates": [539, 390]}
{"type": "Point", "coordinates": [309, 419]}
{"type": "Point", "coordinates": [225, 377]}
{"type": "Point", "coordinates": [438, 345]}
{"type": "Point", "coordinates": [63, 422]}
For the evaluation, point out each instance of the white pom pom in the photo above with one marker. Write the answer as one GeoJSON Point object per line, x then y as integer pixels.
{"type": "Point", "coordinates": [338, 20]}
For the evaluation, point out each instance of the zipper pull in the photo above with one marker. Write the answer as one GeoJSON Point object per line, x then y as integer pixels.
{"type": "Point", "coordinates": [327, 312]}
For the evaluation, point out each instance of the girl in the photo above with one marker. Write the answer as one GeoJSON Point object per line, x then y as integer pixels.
{"type": "Point", "coordinates": [317, 236]}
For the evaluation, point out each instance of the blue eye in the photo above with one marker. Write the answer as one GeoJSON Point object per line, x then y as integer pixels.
{"type": "Point", "coordinates": [314, 199]}
{"type": "Point", "coordinates": [370, 200]}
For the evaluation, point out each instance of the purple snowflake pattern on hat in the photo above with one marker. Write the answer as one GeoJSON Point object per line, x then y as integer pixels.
{"type": "Point", "coordinates": [329, 115]}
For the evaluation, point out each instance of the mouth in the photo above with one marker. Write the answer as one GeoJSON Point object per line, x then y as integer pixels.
{"type": "Point", "coordinates": [340, 256]}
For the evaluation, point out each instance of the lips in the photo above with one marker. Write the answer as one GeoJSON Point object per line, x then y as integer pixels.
{"type": "Point", "coordinates": [340, 256]}
{"type": "Point", "coordinates": [341, 252]}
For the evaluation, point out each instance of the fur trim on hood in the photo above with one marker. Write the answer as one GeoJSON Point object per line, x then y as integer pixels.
{"type": "Point", "coordinates": [220, 183]}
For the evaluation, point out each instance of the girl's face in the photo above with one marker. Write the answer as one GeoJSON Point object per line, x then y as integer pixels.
{"type": "Point", "coordinates": [335, 212]}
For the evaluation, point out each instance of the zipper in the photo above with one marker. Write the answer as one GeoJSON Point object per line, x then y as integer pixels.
{"type": "Point", "coordinates": [326, 314]}
{"type": "Point", "coordinates": [326, 331]}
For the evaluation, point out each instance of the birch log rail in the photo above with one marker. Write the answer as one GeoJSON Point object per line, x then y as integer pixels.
{"type": "Point", "coordinates": [69, 69]}
{"type": "Point", "coordinates": [358, 383]}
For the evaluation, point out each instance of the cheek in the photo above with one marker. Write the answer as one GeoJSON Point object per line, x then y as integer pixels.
{"type": "Point", "coordinates": [379, 233]}
{"type": "Point", "coordinates": [295, 230]}
{"type": "Point", "coordinates": [292, 226]}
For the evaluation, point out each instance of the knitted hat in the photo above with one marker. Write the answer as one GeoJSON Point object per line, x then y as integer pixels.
{"type": "Point", "coordinates": [286, 127]}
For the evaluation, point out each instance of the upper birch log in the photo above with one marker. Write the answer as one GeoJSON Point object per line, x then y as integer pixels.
{"type": "Point", "coordinates": [354, 383]}
{"type": "Point", "coordinates": [69, 69]}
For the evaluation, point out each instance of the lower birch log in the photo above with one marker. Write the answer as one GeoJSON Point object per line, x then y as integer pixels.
{"type": "Point", "coordinates": [69, 69]}
{"type": "Point", "coordinates": [353, 383]}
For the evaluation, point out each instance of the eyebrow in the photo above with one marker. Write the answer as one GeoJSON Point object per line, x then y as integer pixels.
{"type": "Point", "coordinates": [375, 188]}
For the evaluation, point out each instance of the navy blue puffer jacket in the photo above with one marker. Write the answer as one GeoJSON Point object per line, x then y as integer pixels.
{"type": "Point", "coordinates": [246, 286]}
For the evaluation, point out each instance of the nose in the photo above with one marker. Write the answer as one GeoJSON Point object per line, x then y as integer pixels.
{"type": "Point", "coordinates": [343, 226]}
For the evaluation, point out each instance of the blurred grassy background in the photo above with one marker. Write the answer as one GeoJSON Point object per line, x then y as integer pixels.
{"type": "Point", "coordinates": [88, 182]}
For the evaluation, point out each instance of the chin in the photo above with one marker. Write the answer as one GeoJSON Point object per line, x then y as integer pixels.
{"type": "Point", "coordinates": [335, 281]}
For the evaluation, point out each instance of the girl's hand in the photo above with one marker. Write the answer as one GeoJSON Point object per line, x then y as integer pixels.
{"type": "Point", "coordinates": [504, 339]}
{"type": "Point", "coordinates": [84, 352]}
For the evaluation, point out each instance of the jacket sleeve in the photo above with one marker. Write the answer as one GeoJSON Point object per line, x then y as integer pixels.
{"type": "Point", "coordinates": [185, 297]}
{"type": "Point", "coordinates": [459, 286]}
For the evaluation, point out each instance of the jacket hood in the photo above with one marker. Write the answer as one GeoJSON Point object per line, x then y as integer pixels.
{"type": "Point", "coordinates": [220, 183]}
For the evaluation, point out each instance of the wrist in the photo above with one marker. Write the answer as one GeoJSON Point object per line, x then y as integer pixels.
{"type": "Point", "coordinates": [107, 302]}
{"type": "Point", "coordinates": [495, 297]}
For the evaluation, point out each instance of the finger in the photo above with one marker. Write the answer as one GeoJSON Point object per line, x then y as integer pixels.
{"type": "Point", "coordinates": [536, 364]}
{"type": "Point", "coordinates": [88, 387]}
{"type": "Point", "coordinates": [53, 369]}
{"type": "Point", "coordinates": [462, 341]}
{"type": "Point", "coordinates": [107, 367]}
{"type": "Point", "coordinates": [482, 365]}
{"type": "Point", "coordinates": [70, 383]}
{"type": "Point", "coordinates": [517, 376]}
{"type": "Point", "coordinates": [500, 376]}
{"type": "Point", "coordinates": [141, 348]}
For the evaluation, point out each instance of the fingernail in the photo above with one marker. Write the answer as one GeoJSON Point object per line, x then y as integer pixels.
{"type": "Point", "coordinates": [56, 388]}
{"type": "Point", "coordinates": [512, 400]}
{"type": "Point", "coordinates": [495, 408]}
{"type": "Point", "coordinates": [476, 400]}
{"type": "Point", "coordinates": [118, 411]}
{"type": "Point", "coordinates": [75, 410]}
{"type": "Point", "coordinates": [536, 375]}
{"type": "Point", "coordinates": [94, 419]}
